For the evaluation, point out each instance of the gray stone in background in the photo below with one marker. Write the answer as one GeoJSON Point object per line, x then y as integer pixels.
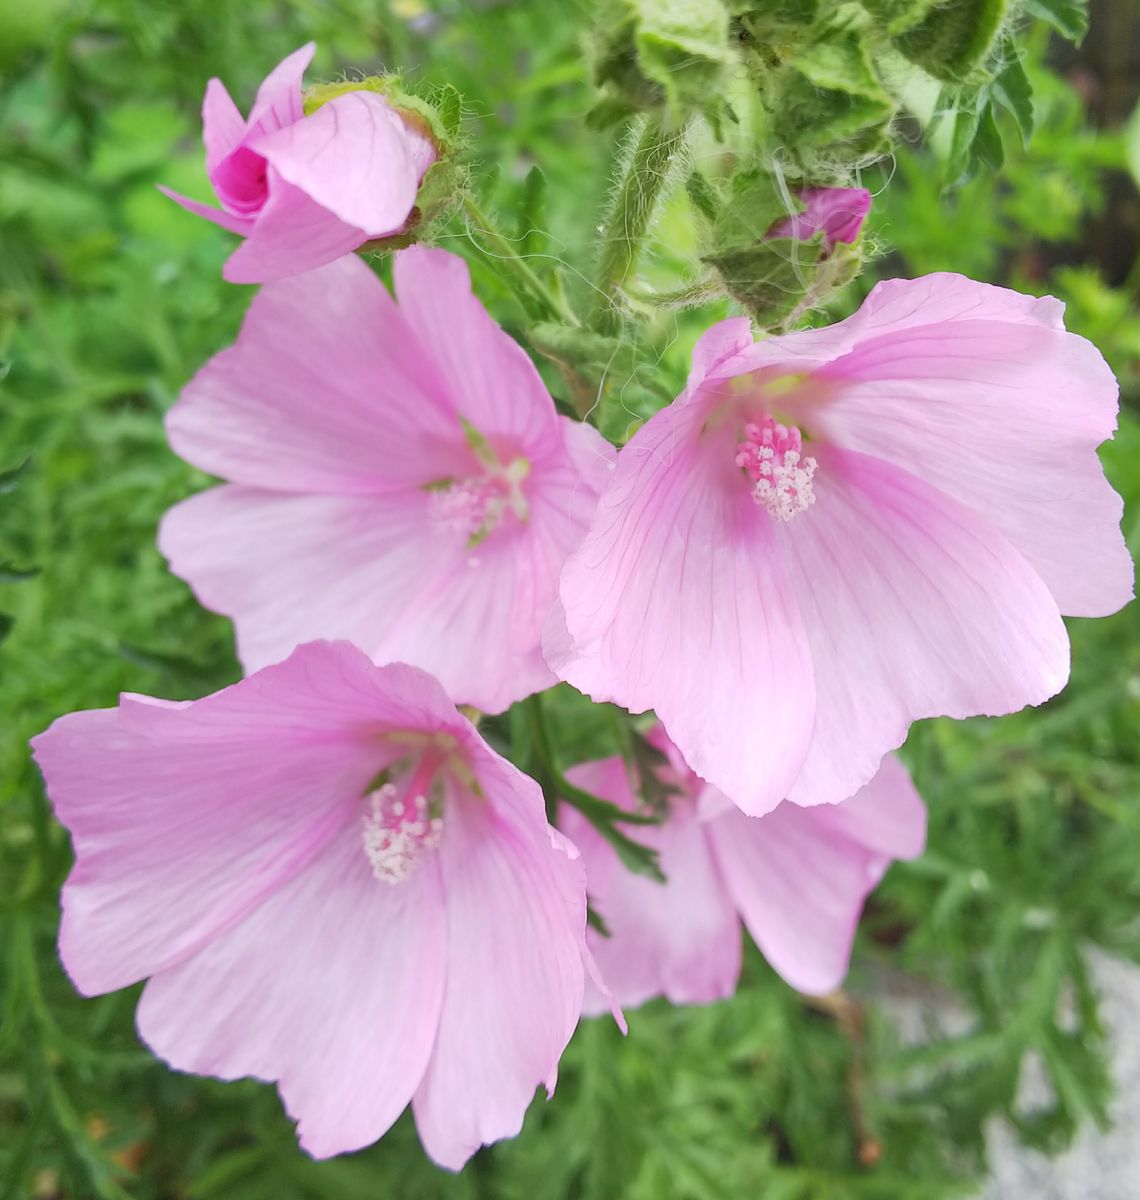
{"type": "Point", "coordinates": [1098, 1166]}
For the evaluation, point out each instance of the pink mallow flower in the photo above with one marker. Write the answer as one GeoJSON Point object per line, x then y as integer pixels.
{"type": "Point", "coordinates": [303, 190]}
{"type": "Point", "coordinates": [332, 882]}
{"type": "Point", "coordinates": [838, 213]}
{"type": "Point", "coordinates": [796, 877]}
{"type": "Point", "coordinates": [833, 533]}
{"type": "Point", "coordinates": [401, 479]}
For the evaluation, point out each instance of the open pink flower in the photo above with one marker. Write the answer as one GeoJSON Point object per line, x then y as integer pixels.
{"type": "Point", "coordinates": [833, 533]}
{"type": "Point", "coordinates": [332, 882]}
{"type": "Point", "coordinates": [838, 213]}
{"type": "Point", "coordinates": [796, 877]}
{"type": "Point", "coordinates": [302, 190]}
{"type": "Point", "coordinates": [401, 479]}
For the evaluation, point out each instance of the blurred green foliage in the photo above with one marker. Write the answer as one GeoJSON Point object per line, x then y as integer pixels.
{"type": "Point", "coordinates": [110, 298]}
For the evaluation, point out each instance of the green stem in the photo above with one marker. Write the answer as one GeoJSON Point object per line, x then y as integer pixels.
{"type": "Point", "coordinates": [638, 192]}
{"type": "Point", "coordinates": [551, 304]}
{"type": "Point", "coordinates": [600, 813]}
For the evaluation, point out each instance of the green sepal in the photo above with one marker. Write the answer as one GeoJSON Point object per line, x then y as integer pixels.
{"type": "Point", "coordinates": [662, 55]}
{"type": "Point", "coordinates": [828, 104]}
{"type": "Point", "coordinates": [952, 41]}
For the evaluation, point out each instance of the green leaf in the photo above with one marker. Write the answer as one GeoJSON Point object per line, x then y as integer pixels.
{"type": "Point", "coordinates": [987, 147]}
{"type": "Point", "coordinates": [1132, 144]}
{"type": "Point", "coordinates": [11, 574]}
{"type": "Point", "coordinates": [11, 477]}
{"type": "Point", "coordinates": [1070, 18]}
{"type": "Point", "coordinates": [6, 623]}
{"type": "Point", "coordinates": [1013, 91]}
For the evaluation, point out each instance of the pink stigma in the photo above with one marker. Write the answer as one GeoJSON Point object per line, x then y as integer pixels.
{"type": "Point", "coordinates": [771, 455]}
{"type": "Point", "coordinates": [401, 823]}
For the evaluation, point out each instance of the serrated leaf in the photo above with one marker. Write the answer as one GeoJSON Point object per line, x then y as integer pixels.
{"type": "Point", "coordinates": [987, 147]}
{"type": "Point", "coordinates": [1013, 91]}
{"type": "Point", "coordinates": [1070, 18]}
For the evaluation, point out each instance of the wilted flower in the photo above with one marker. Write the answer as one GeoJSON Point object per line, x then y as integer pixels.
{"type": "Point", "coordinates": [331, 882]}
{"type": "Point", "coordinates": [303, 190]}
{"type": "Point", "coordinates": [401, 479]}
{"type": "Point", "coordinates": [833, 533]}
{"type": "Point", "coordinates": [796, 877]}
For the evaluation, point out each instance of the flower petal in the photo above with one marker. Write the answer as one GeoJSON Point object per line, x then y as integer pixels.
{"type": "Point", "coordinates": [915, 608]}
{"type": "Point", "coordinates": [332, 988]}
{"type": "Point", "coordinates": [677, 601]}
{"type": "Point", "coordinates": [222, 125]}
{"type": "Point", "coordinates": [235, 223]}
{"type": "Point", "coordinates": [325, 390]}
{"type": "Point", "coordinates": [894, 305]}
{"type": "Point", "coordinates": [380, 572]}
{"type": "Point", "coordinates": [679, 939]}
{"type": "Point", "coordinates": [516, 938]}
{"type": "Point", "coordinates": [278, 101]}
{"type": "Point", "coordinates": [352, 158]}
{"type": "Point", "coordinates": [292, 234]}
{"type": "Point", "coordinates": [185, 817]}
{"type": "Point", "coordinates": [491, 380]}
{"type": "Point", "coordinates": [799, 876]}
{"type": "Point", "coordinates": [1005, 418]}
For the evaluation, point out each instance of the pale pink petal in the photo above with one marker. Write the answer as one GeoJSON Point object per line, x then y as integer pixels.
{"type": "Point", "coordinates": [292, 234]}
{"type": "Point", "coordinates": [799, 876]}
{"type": "Point", "coordinates": [492, 382]}
{"type": "Point", "coordinates": [719, 344]}
{"type": "Point", "coordinates": [680, 939]}
{"type": "Point", "coordinates": [677, 601]}
{"type": "Point", "coordinates": [516, 925]}
{"type": "Point", "coordinates": [915, 608]}
{"type": "Point", "coordinates": [332, 988]}
{"type": "Point", "coordinates": [350, 158]}
{"type": "Point", "coordinates": [222, 125]}
{"type": "Point", "coordinates": [327, 389]}
{"type": "Point", "coordinates": [897, 304]}
{"type": "Point", "coordinates": [184, 818]}
{"type": "Point", "coordinates": [234, 222]}
{"type": "Point", "coordinates": [382, 572]}
{"type": "Point", "coordinates": [1005, 418]}
{"type": "Point", "coordinates": [278, 101]}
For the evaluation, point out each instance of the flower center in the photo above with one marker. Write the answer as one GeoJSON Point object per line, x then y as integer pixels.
{"type": "Point", "coordinates": [771, 455]}
{"type": "Point", "coordinates": [401, 821]}
{"type": "Point", "coordinates": [476, 505]}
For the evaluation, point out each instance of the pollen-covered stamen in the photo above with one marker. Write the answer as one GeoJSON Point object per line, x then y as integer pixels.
{"type": "Point", "coordinates": [476, 506]}
{"type": "Point", "coordinates": [771, 455]}
{"type": "Point", "coordinates": [401, 822]}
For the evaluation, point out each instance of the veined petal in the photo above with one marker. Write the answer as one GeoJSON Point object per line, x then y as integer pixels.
{"type": "Point", "coordinates": [516, 924]}
{"type": "Point", "coordinates": [351, 159]}
{"type": "Point", "coordinates": [278, 101]}
{"type": "Point", "coordinates": [678, 601]}
{"type": "Point", "coordinates": [186, 817]}
{"type": "Point", "coordinates": [799, 876]}
{"type": "Point", "coordinates": [679, 939]}
{"type": "Point", "coordinates": [222, 125]}
{"type": "Point", "coordinates": [326, 390]}
{"type": "Point", "coordinates": [491, 380]}
{"type": "Point", "coordinates": [914, 608]}
{"type": "Point", "coordinates": [332, 989]}
{"type": "Point", "coordinates": [292, 234]}
{"type": "Point", "coordinates": [1005, 418]}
